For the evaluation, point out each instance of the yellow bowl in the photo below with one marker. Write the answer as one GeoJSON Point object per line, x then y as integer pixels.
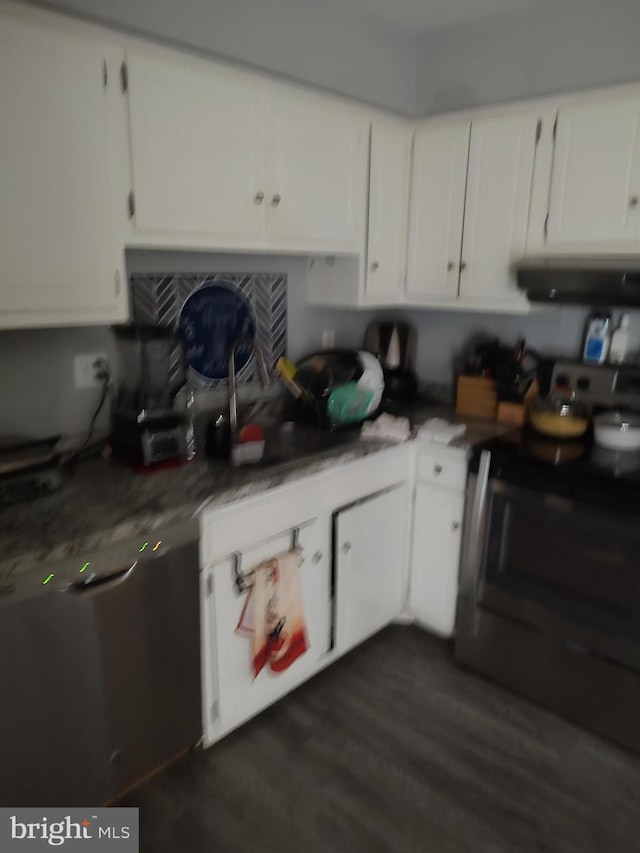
{"type": "Point", "coordinates": [569, 425]}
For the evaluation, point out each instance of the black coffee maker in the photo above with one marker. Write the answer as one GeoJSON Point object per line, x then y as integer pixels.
{"type": "Point", "coordinates": [148, 426]}
{"type": "Point", "coordinates": [394, 344]}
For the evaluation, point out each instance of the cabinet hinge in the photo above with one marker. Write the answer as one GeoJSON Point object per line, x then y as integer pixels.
{"type": "Point", "coordinates": [538, 130]}
{"type": "Point", "coordinates": [209, 586]}
{"type": "Point", "coordinates": [131, 201]}
{"type": "Point", "coordinates": [124, 77]}
{"type": "Point", "coordinates": [214, 711]}
{"type": "Point", "coordinates": [105, 73]}
{"type": "Point", "coordinates": [546, 225]}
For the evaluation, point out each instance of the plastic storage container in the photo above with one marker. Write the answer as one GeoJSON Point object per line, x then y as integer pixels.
{"type": "Point", "coordinates": [620, 342]}
{"type": "Point", "coordinates": [597, 338]}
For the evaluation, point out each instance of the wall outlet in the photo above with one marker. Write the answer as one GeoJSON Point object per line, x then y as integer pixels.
{"type": "Point", "coordinates": [328, 339]}
{"type": "Point", "coordinates": [84, 369]}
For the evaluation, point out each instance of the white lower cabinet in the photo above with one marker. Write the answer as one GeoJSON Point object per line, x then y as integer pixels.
{"type": "Point", "coordinates": [436, 554]}
{"type": "Point", "coordinates": [437, 535]}
{"type": "Point", "coordinates": [352, 524]}
{"type": "Point", "coordinates": [369, 543]}
{"type": "Point", "coordinates": [232, 694]}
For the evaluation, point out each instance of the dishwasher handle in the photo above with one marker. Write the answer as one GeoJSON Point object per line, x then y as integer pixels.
{"type": "Point", "coordinates": [119, 576]}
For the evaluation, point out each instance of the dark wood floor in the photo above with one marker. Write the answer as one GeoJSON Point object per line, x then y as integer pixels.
{"type": "Point", "coordinates": [395, 748]}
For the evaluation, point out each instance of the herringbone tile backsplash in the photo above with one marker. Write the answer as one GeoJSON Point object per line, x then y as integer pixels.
{"type": "Point", "coordinates": [158, 299]}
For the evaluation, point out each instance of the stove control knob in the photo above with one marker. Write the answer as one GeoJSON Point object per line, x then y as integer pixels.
{"type": "Point", "coordinates": [562, 380]}
{"type": "Point", "coordinates": [584, 383]}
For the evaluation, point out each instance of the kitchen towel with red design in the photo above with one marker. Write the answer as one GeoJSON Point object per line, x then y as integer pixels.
{"type": "Point", "coordinates": [272, 615]}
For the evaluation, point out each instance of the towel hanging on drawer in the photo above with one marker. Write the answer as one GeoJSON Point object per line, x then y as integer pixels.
{"type": "Point", "coordinates": [272, 616]}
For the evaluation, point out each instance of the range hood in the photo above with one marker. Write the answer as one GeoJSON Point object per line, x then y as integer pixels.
{"type": "Point", "coordinates": [567, 280]}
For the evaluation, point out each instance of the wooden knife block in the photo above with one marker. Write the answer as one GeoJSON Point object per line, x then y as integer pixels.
{"type": "Point", "coordinates": [476, 396]}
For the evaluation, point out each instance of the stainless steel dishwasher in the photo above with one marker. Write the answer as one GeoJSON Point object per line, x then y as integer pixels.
{"type": "Point", "coordinates": [99, 669]}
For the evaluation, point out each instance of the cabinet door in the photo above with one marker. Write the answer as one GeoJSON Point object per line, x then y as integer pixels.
{"type": "Point", "coordinates": [239, 695]}
{"type": "Point", "coordinates": [197, 148]}
{"type": "Point", "coordinates": [436, 211]}
{"type": "Point", "coordinates": [595, 185]}
{"type": "Point", "coordinates": [501, 160]}
{"type": "Point", "coordinates": [437, 534]}
{"type": "Point", "coordinates": [60, 260]}
{"type": "Point", "coordinates": [317, 174]}
{"type": "Point", "coordinates": [388, 210]}
{"type": "Point", "coordinates": [370, 553]}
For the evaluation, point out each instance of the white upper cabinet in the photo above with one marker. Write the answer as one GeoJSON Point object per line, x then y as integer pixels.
{"type": "Point", "coordinates": [316, 172]}
{"type": "Point", "coordinates": [389, 173]}
{"type": "Point", "coordinates": [440, 153]}
{"type": "Point", "coordinates": [501, 161]}
{"type": "Point", "coordinates": [594, 203]}
{"type": "Point", "coordinates": [224, 159]}
{"type": "Point", "coordinates": [61, 262]}
{"type": "Point", "coordinates": [197, 149]}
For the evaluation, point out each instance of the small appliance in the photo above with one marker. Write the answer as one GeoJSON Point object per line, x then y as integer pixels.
{"type": "Point", "coordinates": [29, 468]}
{"type": "Point", "coordinates": [394, 345]}
{"type": "Point", "coordinates": [148, 427]}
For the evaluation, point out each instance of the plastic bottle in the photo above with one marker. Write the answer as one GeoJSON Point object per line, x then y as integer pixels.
{"type": "Point", "coordinates": [620, 341]}
{"type": "Point", "coordinates": [597, 338]}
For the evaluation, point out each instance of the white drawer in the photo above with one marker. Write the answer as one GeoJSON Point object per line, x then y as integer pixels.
{"type": "Point", "coordinates": [446, 467]}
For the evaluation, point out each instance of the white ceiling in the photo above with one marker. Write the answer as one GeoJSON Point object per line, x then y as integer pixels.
{"type": "Point", "coordinates": [417, 16]}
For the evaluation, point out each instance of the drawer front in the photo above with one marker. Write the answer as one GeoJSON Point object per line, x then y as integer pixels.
{"type": "Point", "coordinates": [447, 468]}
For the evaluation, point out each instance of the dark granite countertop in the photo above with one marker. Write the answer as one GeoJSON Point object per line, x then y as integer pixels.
{"type": "Point", "coordinates": [103, 502]}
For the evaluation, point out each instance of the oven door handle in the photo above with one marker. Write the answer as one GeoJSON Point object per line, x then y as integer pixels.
{"type": "Point", "coordinates": [470, 568]}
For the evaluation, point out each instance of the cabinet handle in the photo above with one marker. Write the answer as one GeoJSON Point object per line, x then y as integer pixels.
{"type": "Point", "coordinates": [437, 469]}
{"type": "Point", "coordinates": [374, 266]}
{"type": "Point", "coordinates": [450, 266]}
{"type": "Point", "coordinates": [277, 198]}
{"type": "Point", "coordinates": [463, 266]}
{"type": "Point", "coordinates": [633, 201]}
{"type": "Point", "coordinates": [316, 558]}
{"type": "Point", "coordinates": [259, 197]}
{"type": "Point", "coordinates": [456, 525]}
{"type": "Point", "coordinates": [346, 547]}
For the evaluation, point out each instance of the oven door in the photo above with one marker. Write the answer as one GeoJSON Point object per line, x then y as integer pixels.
{"type": "Point", "coordinates": [563, 568]}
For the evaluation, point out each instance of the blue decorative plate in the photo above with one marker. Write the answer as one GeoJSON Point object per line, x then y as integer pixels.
{"type": "Point", "coordinates": [212, 318]}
